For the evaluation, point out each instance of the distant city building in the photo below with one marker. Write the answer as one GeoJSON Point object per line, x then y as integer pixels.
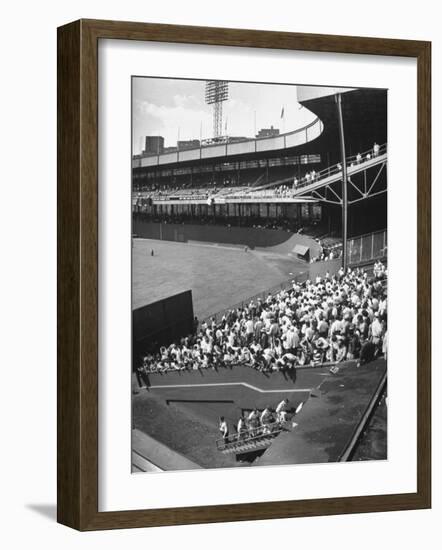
{"type": "Point", "coordinates": [170, 150]}
{"type": "Point", "coordinates": [153, 145]}
{"type": "Point", "coordinates": [188, 144]}
{"type": "Point", "coordinates": [268, 132]}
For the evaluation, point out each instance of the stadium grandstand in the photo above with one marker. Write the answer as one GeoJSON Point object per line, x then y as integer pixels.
{"type": "Point", "coordinates": [291, 177]}
{"type": "Point", "coordinates": [301, 315]}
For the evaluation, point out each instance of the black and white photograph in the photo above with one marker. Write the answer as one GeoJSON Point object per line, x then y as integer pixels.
{"type": "Point", "coordinates": [259, 274]}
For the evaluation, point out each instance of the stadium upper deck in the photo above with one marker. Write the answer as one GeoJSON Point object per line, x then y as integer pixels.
{"type": "Point", "coordinates": [365, 120]}
{"type": "Point", "coordinates": [250, 148]}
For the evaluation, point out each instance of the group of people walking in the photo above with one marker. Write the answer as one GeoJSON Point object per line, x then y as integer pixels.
{"type": "Point", "coordinates": [256, 423]}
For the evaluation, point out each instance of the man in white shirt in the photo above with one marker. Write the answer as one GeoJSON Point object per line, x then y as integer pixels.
{"type": "Point", "coordinates": [224, 429]}
{"type": "Point", "coordinates": [376, 330]}
{"type": "Point", "coordinates": [281, 410]}
{"type": "Point", "coordinates": [265, 416]}
{"type": "Point", "coordinates": [253, 422]}
{"type": "Point", "coordinates": [241, 428]}
{"type": "Point", "coordinates": [250, 329]}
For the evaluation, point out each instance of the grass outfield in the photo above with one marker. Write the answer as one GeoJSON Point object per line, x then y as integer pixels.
{"type": "Point", "coordinates": [218, 276]}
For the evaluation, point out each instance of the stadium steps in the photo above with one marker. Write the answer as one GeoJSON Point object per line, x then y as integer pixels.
{"type": "Point", "coordinates": [244, 446]}
{"type": "Point", "coordinates": [258, 180]}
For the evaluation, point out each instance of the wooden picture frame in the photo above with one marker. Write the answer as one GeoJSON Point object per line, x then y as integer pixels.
{"type": "Point", "coordinates": [78, 274]}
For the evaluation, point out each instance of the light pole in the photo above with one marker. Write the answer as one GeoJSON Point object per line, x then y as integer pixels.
{"type": "Point", "coordinates": [344, 182]}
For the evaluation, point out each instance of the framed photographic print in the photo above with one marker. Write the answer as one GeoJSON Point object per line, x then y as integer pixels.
{"type": "Point", "coordinates": [243, 275]}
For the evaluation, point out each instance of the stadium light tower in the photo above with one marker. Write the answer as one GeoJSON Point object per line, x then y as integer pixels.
{"type": "Point", "coordinates": [217, 91]}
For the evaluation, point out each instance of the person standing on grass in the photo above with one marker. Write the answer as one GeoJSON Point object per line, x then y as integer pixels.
{"type": "Point", "coordinates": [152, 252]}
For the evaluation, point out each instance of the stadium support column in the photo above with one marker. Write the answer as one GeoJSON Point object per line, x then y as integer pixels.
{"type": "Point", "coordinates": [344, 181]}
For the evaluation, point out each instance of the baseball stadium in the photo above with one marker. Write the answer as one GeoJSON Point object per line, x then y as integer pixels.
{"type": "Point", "coordinates": [259, 289]}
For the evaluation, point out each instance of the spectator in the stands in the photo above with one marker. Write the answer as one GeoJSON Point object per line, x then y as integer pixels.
{"type": "Point", "coordinates": [367, 352]}
{"type": "Point", "coordinates": [331, 319]}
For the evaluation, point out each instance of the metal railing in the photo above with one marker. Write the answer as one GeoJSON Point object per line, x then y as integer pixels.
{"type": "Point", "coordinates": [251, 437]}
{"type": "Point", "coordinates": [265, 191]}
{"type": "Point", "coordinates": [365, 248]}
{"type": "Point", "coordinates": [314, 177]}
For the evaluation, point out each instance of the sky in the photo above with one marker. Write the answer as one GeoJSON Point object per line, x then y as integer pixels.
{"type": "Point", "coordinates": [175, 107]}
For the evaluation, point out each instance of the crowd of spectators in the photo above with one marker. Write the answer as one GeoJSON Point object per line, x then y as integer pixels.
{"type": "Point", "coordinates": [328, 320]}
{"type": "Point", "coordinates": [328, 252]}
{"type": "Point", "coordinates": [206, 187]}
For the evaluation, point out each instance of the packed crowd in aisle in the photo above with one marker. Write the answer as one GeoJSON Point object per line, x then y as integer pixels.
{"type": "Point", "coordinates": [332, 319]}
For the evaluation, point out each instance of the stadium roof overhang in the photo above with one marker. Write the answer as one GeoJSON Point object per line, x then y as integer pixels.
{"type": "Point", "coordinates": [364, 112]}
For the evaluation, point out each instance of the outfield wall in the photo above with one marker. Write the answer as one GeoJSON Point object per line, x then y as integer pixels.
{"type": "Point", "coordinates": [161, 323]}
{"type": "Point", "coordinates": [241, 236]}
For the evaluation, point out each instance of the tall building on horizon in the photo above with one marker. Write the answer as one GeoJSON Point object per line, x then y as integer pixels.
{"type": "Point", "coordinates": [153, 145]}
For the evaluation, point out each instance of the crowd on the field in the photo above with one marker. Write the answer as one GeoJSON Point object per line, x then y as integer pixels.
{"type": "Point", "coordinates": [329, 320]}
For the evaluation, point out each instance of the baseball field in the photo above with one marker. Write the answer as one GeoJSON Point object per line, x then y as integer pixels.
{"type": "Point", "coordinates": [219, 276]}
